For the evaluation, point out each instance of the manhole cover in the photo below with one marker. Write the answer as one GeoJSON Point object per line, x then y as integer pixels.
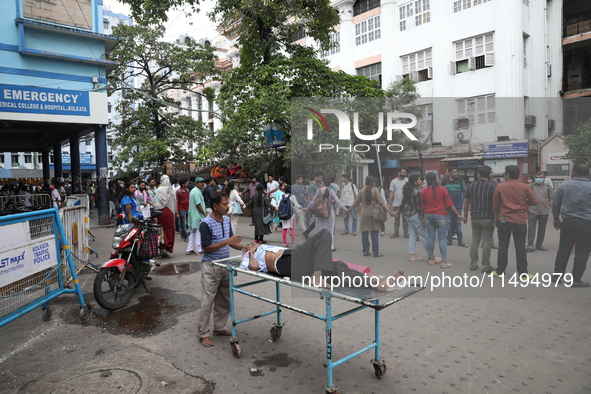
{"type": "Point", "coordinates": [105, 381]}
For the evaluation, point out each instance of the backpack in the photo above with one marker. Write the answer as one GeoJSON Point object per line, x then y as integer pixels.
{"type": "Point", "coordinates": [285, 208]}
{"type": "Point", "coordinates": [322, 209]}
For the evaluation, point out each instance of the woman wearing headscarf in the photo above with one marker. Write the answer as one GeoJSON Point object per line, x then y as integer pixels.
{"type": "Point", "coordinates": [327, 194]}
{"type": "Point", "coordinates": [260, 206]}
{"type": "Point", "coordinates": [165, 201]}
{"type": "Point", "coordinates": [367, 198]}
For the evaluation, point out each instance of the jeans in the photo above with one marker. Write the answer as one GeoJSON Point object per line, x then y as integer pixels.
{"type": "Point", "coordinates": [573, 232]}
{"type": "Point", "coordinates": [454, 224]}
{"type": "Point", "coordinates": [541, 221]}
{"type": "Point", "coordinates": [375, 246]}
{"type": "Point", "coordinates": [436, 223]}
{"type": "Point", "coordinates": [346, 219]}
{"type": "Point", "coordinates": [481, 228]}
{"type": "Point", "coordinates": [416, 230]}
{"type": "Point", "coordinates": [183, 223]}
{"type": "Point", "coordinates": [401, 216]}
{"type": "Point", "coordinates": [519, 233]}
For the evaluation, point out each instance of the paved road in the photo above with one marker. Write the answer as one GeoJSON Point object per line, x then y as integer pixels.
{"type": "Point", "coordinates": [442, 340]}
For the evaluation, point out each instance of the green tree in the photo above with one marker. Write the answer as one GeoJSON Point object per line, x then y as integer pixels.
{"type": "Point", "coordinates": [152, 130]}
{"type": "Point", "coordinates": [579, 143]}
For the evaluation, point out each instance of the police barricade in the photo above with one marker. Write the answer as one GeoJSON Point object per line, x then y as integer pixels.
{"type": "Point", "coordinates": [76, 226]}
{"type": "Point", "coordinates": [31, 267]}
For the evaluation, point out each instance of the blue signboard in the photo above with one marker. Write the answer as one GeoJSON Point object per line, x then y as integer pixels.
{"type": "Point", "coordinates": [273, 136]}
{"type": "Point", "coordinates": [506, 149]}
{"type": "Point", "coordinates": [85, 158]}
{"type": "Point", "coordinates": [472, 163]}
{"type": "Point", "coordinates": [36, 100]}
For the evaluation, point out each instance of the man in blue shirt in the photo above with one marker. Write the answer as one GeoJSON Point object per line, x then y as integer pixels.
{"type": "Point", "coordinates": [574, 197]}
{"type": "Point", "coordinates": [216, 239]}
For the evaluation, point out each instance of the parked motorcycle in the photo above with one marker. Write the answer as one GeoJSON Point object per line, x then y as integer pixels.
{"type": "Point", "coordinates": [130, 263]}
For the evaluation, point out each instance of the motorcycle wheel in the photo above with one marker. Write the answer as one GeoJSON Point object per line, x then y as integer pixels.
{"type": "Point", "coordinates": [108, 293]}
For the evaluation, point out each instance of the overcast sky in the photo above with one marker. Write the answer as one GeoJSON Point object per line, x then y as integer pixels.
{"type": "Point", "coordinates": [178, 23]}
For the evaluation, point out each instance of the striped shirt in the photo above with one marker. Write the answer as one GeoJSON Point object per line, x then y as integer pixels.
{"type": "Point", "coordinates": [544, 195]}
{"type": "Point", "coordinates": [213, 232]}
{"type": "Point", "coordinates": [480, 194]}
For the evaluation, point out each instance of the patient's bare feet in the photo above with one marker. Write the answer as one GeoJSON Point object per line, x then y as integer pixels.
{"type": "Point", "coordinates": [206, 342]}
{"type": "Point", "coordinates": [389, 281]}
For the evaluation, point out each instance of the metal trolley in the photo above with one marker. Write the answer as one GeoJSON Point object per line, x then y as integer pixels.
{"type": "Point", "coordinates": [364, 297]}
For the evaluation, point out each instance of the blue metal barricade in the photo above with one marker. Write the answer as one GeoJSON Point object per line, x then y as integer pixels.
{"type": "Point", "coordinates": [32, 270]}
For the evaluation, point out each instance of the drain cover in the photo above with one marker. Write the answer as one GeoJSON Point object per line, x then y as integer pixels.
{"type": "Point", "coordinates": [105, 381]}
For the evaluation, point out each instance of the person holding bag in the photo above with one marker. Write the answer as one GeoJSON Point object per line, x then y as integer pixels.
{"type": "Point", "coordinates": [367, 198]}
{"type": "Point", "coordinates": [260, 206]}
{"type": "Point", "coordinates": [236, 204]}
{"type": "Point", "coordinates": [322, 207]}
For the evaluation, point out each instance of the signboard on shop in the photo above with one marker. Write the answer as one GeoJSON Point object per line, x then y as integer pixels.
{"type": "Point", "coordinates": [506, 149]}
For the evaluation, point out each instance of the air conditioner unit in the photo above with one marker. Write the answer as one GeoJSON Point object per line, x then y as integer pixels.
{"type": "Point", "coordinates": [460, 137]}
{"type": "Point", "coordinates": [205, 42]}
{"type": "Point", "coordinates": [489, 60]}
{"type": "Point", "coordinates": [530, 120]}
{"type": "Point", "coordinates": [430, 72]}
{"type": "Point", "coordinates": [472, 63]}
{"type": "Point", "coordinates": [462, 123]}
{"type": "Point", "coordinates": [548, 70]}
{"type": "Point", "coordinates": [551, 124]}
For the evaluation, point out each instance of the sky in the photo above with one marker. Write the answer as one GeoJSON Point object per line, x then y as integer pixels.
{"type": "Point", "coordinates": [177, 24]}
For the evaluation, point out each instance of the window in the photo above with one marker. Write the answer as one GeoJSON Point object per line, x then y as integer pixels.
{"type": "Point", "coordinates": [39, 158]}
{"type": "Point", "coordinates": [373, 71]}
{"type": "Point", "coordinates": [367, 30]}
{"type": "Point", "coordinates": [414, 14]}
{"type": "Point", "coordinates": [479, 110]}
{"type": "Point", "coordinates": [15, 158]}
{"type": "Point", "coordinates": [28, 158]}
{"type": "Point", "coordinates": [525, 42]}
{"type": "Point", "coordinates": [424, 114]}
{"type": "Point", "coordinates": [1, 158]}
{"type": "Point", "coordinates": [105, 24]}
{"type": "Point", "coordinates": [460, 5]}
{"type": "Point", "coordinates": [298, 34]}
{"type": "Point", "coordinates": [110, 124]}
{"type": "Point", "coordinates": [110, 157]}
{"type": "Point", "coordinates": [473, 53]}
{"type": "Point", "coordinates": [87, 142]}
{"type": "Point", "coordinates": [109, 141]}
{"type": "Point", "coordinates": [109, 107]}
{"type": "Point", "coordinates": [362, 6]}
{"type": "Point", "coordinates": [335, 42]}
{"type": "Point", "coordinates": [417, 66]}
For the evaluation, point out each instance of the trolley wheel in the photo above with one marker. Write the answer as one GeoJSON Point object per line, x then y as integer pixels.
{"type": "Point", "coordinates": [47, 312]}
{"type": "Point", "coordinates": [331, 390]}
{"type": "Point", "coordinates": [83, 313]}
{"type": "Point", "coordinates": [236, 349]}
{"type": "Point", "coordinates": [380, 370]}
{"type": "Point", "coordinates": [275, 333]}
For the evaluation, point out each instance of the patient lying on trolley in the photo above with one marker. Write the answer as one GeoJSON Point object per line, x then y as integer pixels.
{"type": "Point", "coordinates": [311, 264]}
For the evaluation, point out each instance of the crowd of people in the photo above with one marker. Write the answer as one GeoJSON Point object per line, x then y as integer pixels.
{"type": "Point", "coordinates": [58, 192]}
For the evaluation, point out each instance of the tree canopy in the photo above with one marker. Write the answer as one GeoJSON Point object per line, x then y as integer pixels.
{"type": "Point", "coordinates": [579, 143]}
{"type": "Point", "coordinates": [152, 129]}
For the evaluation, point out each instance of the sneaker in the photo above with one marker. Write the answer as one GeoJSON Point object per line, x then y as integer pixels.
{"type": "Point", "coordinates": [580, 284]}
{"type": "Point", "coordinates": [530, 249]}
{"type": "Point", "coordinates": [445, 265]}
{"type": "Point", "coordinates": [487, 270]}
{"type": "Point", "coordinates": [394, 236]}
{"type": "Point", "coordinates": [462, 244]}
{"type": "Point", "coordinates": [354, 233]}
{"type": "Point", "coordinates": [523, 277]}
{"type": "Point", "coordinates": [455, 237]}
{"type": "Point", "coordinates": [473, 267]}
{"type": "Point", "coordinates": [415, 258]}
{"type": "Point", "coordinates": [345, 233]}
{"type": "Point", "coordinates": [543, 249]}
{"type": "Point", "coordinates": [191, 252]}
{"type": "Point", "coordinates": [496, 274]}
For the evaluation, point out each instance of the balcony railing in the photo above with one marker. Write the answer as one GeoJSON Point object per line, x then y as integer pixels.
{"type": "Point", "coordinates": [578, 28]}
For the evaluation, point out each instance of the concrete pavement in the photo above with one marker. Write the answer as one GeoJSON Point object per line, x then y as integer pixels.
{"type": "Point", "coordinates": [488, 339]}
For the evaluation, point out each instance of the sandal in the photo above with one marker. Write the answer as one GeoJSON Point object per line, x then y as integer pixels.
{"type": "Point", "coordinates": [445, 265]}
{"type": "Point", "coordinates": [378, 255]}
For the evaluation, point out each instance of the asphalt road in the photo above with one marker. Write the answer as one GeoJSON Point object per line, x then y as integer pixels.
{"type": "Point", "coordinates": [446, 339]}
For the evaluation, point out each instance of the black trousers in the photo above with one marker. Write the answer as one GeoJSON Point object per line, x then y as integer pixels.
{"type": "Point", "coordinates": [313, 255]}
{"type": "Point", "coordinates": [574, 232]}
{"type": "Point", "coordinates": [519, 232]}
